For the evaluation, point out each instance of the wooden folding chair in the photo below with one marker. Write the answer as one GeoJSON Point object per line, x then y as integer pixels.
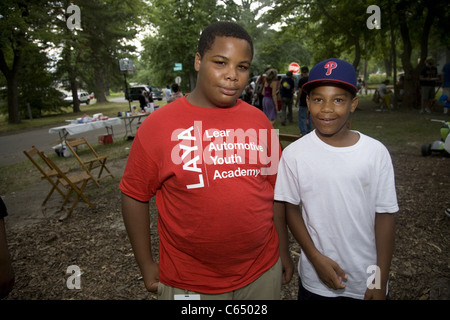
{"type": "Point", "coordinates": [90, 163]}
{"type": "Point", "coordinates": [70, 183]}
{"type": "Point", "coordinates": [46, 170]}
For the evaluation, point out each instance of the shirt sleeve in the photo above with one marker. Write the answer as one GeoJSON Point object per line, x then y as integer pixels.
{"type": "Point", "coordinates": [386, 192]}
{"type": "Point", "coordinates": [286, 187]}
{"type": "Point", "coordinates": [140, 179]}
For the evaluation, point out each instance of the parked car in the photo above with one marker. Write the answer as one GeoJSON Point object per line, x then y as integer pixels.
{"type": "Point", "coordinates": [83, 97]}
{"type": "Point", "coordinates": [133, 92]}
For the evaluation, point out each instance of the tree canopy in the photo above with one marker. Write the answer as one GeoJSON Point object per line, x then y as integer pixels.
{"type": "Point", "coordinates": [44, 46]}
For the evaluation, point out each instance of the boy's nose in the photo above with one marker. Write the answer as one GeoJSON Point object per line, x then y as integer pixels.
{"type": "Point", "coordinates": [231, 74]}
{"type": "Point", "coordinates": [327, 106]}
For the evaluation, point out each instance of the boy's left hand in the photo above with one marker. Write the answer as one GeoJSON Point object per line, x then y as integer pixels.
{"type": "Point", "coordinates": [330, 272]}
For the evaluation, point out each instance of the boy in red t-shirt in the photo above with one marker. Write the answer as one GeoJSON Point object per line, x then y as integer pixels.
{"type": "Point", "coordinates": [210, 160]}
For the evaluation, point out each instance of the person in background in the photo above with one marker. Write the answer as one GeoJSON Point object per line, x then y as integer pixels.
{"type": "Point", "coordinates": [7, 277]}
{"type": "Point", "coordinates": [304, 118]}
{"type": "Point", "coordinates": [270, 100]}
{"type": "Point", "coordinates": [385, 94]}
{"type": "Point", "coordinates": [167, 92]}
{"type": "Point", "coordinates": [428, 77]}
{"type": "Point", "coordinates": [287, 89]}
{"type": "Point", "coordinates": [176, 93]}
{"type": "Point", "coordinates": [142, 100]}
{"type": "Point", "coordinates": [259, 91]}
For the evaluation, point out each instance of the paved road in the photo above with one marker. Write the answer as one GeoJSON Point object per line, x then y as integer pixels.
{"type": "Point", "coordinates": [13, 144]}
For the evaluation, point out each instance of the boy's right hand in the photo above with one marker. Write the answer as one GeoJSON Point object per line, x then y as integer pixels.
{"type": "Point", "coordinates": [151, 278]}
{"type": "Point", "coordinates": [330, 272]}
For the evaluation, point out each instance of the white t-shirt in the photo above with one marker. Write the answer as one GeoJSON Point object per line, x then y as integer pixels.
{"type": "Point", "coordinates": [382, 89]}
{"type": "Point", "coordinates": [167, 93]}
{"type": "Point", "coordinates": [340, 190]}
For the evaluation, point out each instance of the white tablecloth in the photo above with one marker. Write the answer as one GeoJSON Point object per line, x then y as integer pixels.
{"type": "Point", "coordinates": [83, 127]}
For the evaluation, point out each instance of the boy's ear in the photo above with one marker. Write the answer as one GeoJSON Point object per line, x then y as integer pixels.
{"type": "Point", "coordinates": [355, 102]}
{"type": "Point", "coordinates": [197, 61]}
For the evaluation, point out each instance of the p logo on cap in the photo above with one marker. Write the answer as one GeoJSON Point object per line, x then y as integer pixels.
{"type": "Point", "coordinates": [330, 65]}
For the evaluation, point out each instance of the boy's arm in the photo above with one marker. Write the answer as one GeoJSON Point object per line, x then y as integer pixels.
{"type": "Point", "coordinates": [137, 222]}
{"type": "Point", "coordinates": [327, 269]}
{"type": "Point", "coordinates": [279, 219]}
{"type": "Point", "coordinates": [7, 277]}
{"type": "Point", "coordinates": [384, 238]}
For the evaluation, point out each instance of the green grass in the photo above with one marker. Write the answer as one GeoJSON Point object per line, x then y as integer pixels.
{"type": "Point", "coordinates": [396, 129]}
{"type": "Point", "coordinates": [391, 127]}
{"type": "Point", "coordinates": [109, 109]}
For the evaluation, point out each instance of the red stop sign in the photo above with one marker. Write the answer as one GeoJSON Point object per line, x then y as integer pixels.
{"type": "Point", "coordinates": [294, 67]}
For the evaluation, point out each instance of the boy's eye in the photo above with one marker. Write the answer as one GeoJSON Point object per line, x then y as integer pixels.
{"type": "Point", "coordinates": [243, 67]}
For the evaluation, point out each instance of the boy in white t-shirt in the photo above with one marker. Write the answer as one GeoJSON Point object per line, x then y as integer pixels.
{"type": "Point", "coordinates": [344, 182]}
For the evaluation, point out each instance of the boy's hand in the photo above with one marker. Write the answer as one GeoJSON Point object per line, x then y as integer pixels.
{"type": "Point", "coordinates": [330, 272]}
{"type": "Point", "coordinates": [288, 269]}
{"type": "Point", "coordinates": [151, 278]}
{"type": "Point", "coordinates": [375, 294]}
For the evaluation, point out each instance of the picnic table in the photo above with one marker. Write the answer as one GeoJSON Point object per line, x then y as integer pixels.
{"type": "Point", "coordinates": [75, 128]}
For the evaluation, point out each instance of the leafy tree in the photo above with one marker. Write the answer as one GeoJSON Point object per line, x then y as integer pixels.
{"type": "Point", "coordinates": [415, 20]}
{"type": "Point", "coordinates": [176, 27]}
{"type": "Point", "coordinates": [21, 23]}
{"type": "Point", "coordinates": [37, 86]}
{"type": "Point", "coordinates": [90, 56]}
{"type": "Point", "coordinates": [338, 28]}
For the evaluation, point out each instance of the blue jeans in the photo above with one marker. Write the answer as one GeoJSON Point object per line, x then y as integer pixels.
{"type": "Point", "coordinates": [305, 126]}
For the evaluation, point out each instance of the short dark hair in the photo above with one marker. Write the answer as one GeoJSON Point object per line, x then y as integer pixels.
{"type": "Point", "coordinates": [221, 29]}
{"type": "Point", "coordinates": [305, 70]}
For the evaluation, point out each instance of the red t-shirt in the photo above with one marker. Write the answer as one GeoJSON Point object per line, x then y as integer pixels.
{"type": "Point", "coordinates": [213, 173]}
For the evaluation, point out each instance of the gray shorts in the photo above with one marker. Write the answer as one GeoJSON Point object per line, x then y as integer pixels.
{"type": "Point", "coordinates": [266, 287]}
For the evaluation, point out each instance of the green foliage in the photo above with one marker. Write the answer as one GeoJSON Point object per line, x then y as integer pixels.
{"type": "Point", "coordinates": [284, 31]}
{"type": "Point", "coordinates": [176, 27]}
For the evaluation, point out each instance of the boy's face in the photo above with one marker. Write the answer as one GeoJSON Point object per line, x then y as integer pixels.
{"type": "Point", "coordinates": [223, 72]}
{"type": "Point", "coordinates": [330, 108]}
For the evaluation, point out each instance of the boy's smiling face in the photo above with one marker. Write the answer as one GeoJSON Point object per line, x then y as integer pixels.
{"type": "Point", "coordinates": [223, 72]}
{"type": "Point", "coordinates": [330, 108]}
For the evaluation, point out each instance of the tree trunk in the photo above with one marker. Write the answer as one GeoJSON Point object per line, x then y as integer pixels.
{"type": "Point", "coordinates": [11, 76]}
{"type": "Point", "coordinates": [393, 56]}
{"type": "Point", "coordinates": [74, 89]}
{"type": "Point", "coordinates": [411, 97]}
{"type": "Point", "coordinates": [99, 89]}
